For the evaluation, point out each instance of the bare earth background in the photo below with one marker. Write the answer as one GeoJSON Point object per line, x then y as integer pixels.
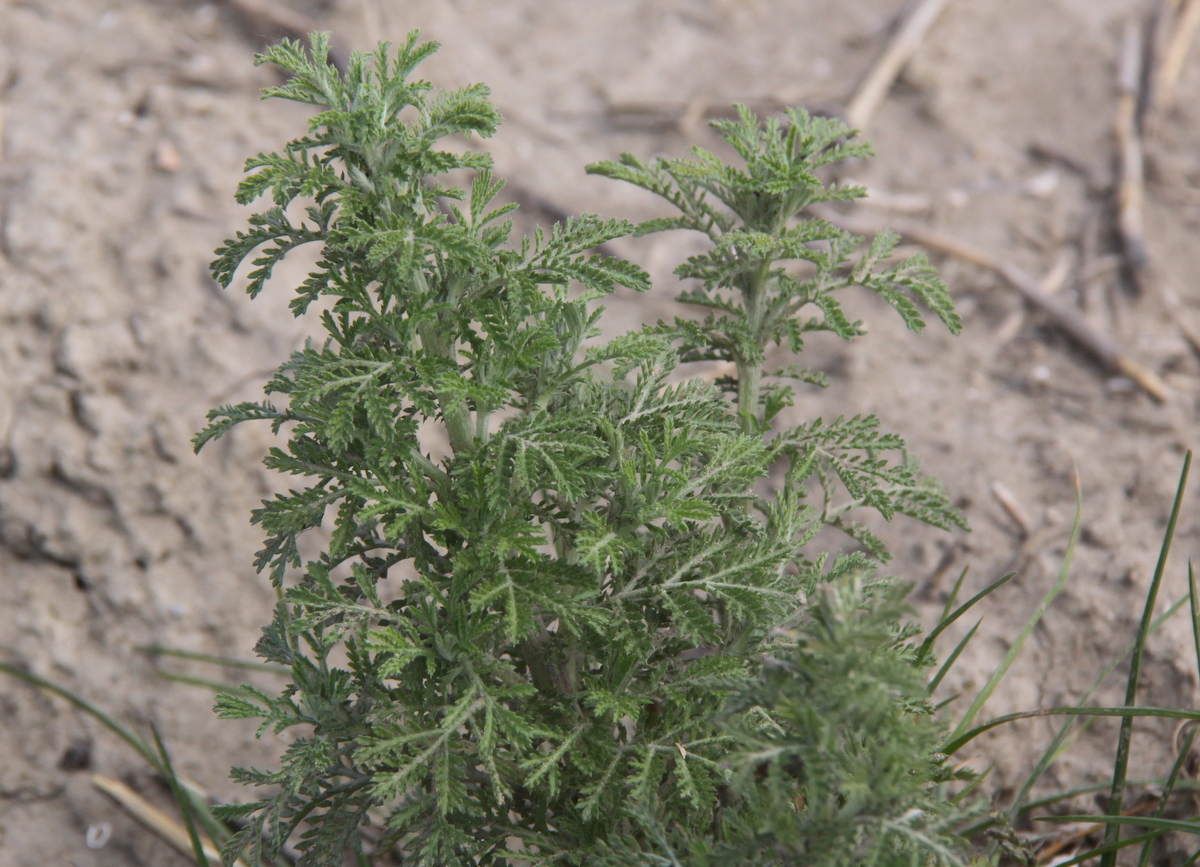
{"type": "Point", "coordinates": [125, 124]}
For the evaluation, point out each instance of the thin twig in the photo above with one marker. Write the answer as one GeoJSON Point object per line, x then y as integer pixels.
{"type": "Point", "coordinates": [1053, 280]}
{"type": "Point", "coordinates": [874, 88]}
{"type": "Point", "coordinates": [1180, 43]}
{"type": "Point", "coordinates": [1070, 320]}
{"type": "Point", "coordinates": [1131, 189]}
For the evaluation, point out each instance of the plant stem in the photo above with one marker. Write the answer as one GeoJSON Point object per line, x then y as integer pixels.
{"type": "Point", "coordinates": [457, 415]}
{"type": "Point", "coordinates": [749, 370]}
{"type": "Point", "coordinates": [749, 386]}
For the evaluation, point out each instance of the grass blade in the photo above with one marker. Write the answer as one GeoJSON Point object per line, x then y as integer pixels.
{"type": "Point", "coordinates": [1109, 847]}
{"type": "Point", "coordinates": [1056, 746]}
{"type": "Point", "coordinates": [1121, 765]}
{"type": "Point", "coordinates": [1067, 794]}
{"type": "Point", "coordinates": [1140, 821]}
{"type": "Point", "coordinates": [182, 800]}
{"type": "Point", "coordinates": [156, 758]}
{"type": "Point", "coordinates": [970, 788]}
{"type": "Point", "coordinates": [214, 685]}
{"type": "Point", "coordinates": [954, 591]}
{"type": "Point", "coordinates": [149, 815]}
{"type": "Point", "coordinates": [957, 743]}
{"type": "Point", "coordinates": [1014, 651]}
{"type": "Point", "coordinates": [1168, 789]}
{"type": "Point", "coordinates": [927, 644]}
{"type": "Point", "coordinates": [143, 749]}
{"type": "Point", "coordinates": [953, 657]}
{"type": "Point", "coordinates": [1194, 597]}
{"type": "Point", "coordinates": [159, 650]}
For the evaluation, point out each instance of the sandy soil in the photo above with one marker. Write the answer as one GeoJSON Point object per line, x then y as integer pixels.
{"type": "Point", "coordinates": [125, 125]}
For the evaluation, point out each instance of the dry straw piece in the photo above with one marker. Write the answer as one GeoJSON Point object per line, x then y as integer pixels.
{"type": "Point", "coordinates": [1008, 501]}
{"type": "Point", "coordinates": [1175, 55]}
{"type": "Point", "coordinates": [874, 89]}
{"type": "Point", "coordinates": [155, 819]}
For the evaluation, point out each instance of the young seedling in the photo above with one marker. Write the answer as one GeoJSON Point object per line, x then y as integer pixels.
{"type": "Point", "coordinates": [586, 636]}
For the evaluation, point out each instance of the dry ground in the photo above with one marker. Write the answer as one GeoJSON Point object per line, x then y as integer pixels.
{"type": "Point", "coordinates": [124, 127]}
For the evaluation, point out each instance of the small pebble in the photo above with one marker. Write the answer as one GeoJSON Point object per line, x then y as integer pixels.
{"type": "Point", "coordinates": [98, 834]}
{"type": "Point", "coordinates": [1044, 185]}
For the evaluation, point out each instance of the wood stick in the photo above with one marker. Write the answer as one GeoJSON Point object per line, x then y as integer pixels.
{"type": "Point", "coordinates": [1067, 318]}
{"type": "Point", "coordinates": [1160, 25]}
{"type": "Point", "coordinates": [1131, 188]}
{"type": "Point", "coordinates": [155, 819]}
{"type": "Point", "coordinates": [1178, 46]}
{"type": "Point", "coordinates": [1053, 280]}
{"type": "Point", "coordinates": [874, 88]}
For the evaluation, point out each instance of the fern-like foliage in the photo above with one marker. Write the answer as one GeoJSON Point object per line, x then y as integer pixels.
{"type": "Point", "coordinates": [774, 275]}
{"type": "Point", "coordinates": [547, 647]}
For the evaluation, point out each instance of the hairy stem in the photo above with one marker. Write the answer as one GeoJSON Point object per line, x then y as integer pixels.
{"type": "Point", "coordinates": [459, 424]}
{"type": "Point", "coordinates": [749, 370]}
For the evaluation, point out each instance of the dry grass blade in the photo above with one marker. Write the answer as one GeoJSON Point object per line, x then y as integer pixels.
{"type": "Point", "coordinates": [154, 819]}
{"type": "Point", "coordinates": [904, 45]}
{"type": "Point", "coordinates": [1180, 43]}
{"type": "Point", "coordinates": [1070, 320]}
{"type": "Point", "coordinates": [1008, 501]}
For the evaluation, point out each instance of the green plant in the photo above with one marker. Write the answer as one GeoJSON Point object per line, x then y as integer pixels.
{"type": "Point", "coordinates": [1025, 850]}
{"type": "Point", "coordinates": [613, 643]}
